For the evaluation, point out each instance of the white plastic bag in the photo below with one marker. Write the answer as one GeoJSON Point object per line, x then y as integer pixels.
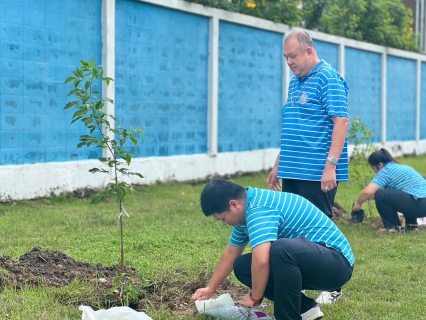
{"type": "Point", "coordinates": [224, 308]}
{"type": "Point", "coordinates": [115, 313]}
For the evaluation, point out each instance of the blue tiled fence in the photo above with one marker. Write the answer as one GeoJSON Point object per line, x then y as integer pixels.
{"type": "Point", "coordinates": [162, 77]}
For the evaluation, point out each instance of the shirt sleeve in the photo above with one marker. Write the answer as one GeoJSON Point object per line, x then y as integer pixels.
{"type": "Point", "coordinates": [262, 226]}
{"type": "Point", "coordinates": [382, 179]}
{"type": "Point", "coordinates": [239, 237]}
{"type": "Point", "coordinates": [334, 95]}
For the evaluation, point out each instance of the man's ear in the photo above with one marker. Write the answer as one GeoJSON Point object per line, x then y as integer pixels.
{"type": "Point", "coordinates": [233, 203]}
{"type": "Point", "coordinates": [310, 51]}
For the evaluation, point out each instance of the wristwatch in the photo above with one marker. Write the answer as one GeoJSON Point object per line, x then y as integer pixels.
{"type": "Point", "coordinates": [332, 160]}
{"type": "Point", "coordinates": [255, 301]}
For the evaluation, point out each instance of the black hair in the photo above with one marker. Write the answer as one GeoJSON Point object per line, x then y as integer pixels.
{"type": "Point", "coordinates": [302, 37]}
{"type": "Point", "coordinates": [217, 194]}
{"type": "Point", "coordinates": [382, 156]}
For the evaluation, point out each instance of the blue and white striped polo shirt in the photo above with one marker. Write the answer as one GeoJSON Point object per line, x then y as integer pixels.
{"type": "Point", "coordinates": [401, 177]}
{"type": "Point", "coordinates": [307, 127]}
{"type": "Point", "coordinates": [271, 215]}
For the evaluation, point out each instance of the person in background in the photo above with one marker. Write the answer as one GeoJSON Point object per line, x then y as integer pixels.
{"type": "Point", "coordinates": [294, 246]}
{"type": "Point", "coordinates": [395, 188]}
{"type": "Point", "coordinates": [313, 156]}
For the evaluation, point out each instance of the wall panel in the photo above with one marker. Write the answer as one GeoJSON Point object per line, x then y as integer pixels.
{"type": "Point", "coordinates": [401, 99]}
{"type": "Point", "coordinates": [250, 88]}
{"type": "Point", "coordinates": [161, 78]}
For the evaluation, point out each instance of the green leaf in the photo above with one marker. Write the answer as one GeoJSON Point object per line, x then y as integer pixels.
{"type": "Point", "coordinates": [128, 159]}
{"type": "Point", "coordinates": [80, 113]}
{"type": "Point", "coordinates": [97, 199]}
{"type": "Point", "coordinates": [69, 79]}
{"type": "Point", "coordinates": [80, 73]}
{"type": "Point", "coordinates": [135, 142]}
{"type": "Point", "coordinates": [75, 91]}
{"type": "Point", "coordinates": [71, 104]}
{"type": "Point", "coordinates": [133, 293]}
{"type": "Point", "coordinates": [87, 121]}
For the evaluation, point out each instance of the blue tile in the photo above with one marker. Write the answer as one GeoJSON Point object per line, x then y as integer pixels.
{"type": "Point", "coordinates": [12, 49]}
{"type": "Point", "coordinates": [34, 155]}
{"type": "Point", "coordinates": [12, 13]}
{"type": "Point", "coordinates": [56, 154]}
{"type": "Point", "coordinates": [11, 31]}
{"type": "Point", "coordinates": [12, 139]}
{"type": "Point", "coordinates": [34, 17]}
{"type": "Point", "coordinates": [11, 104]}
{"type": "Point", "coordinates": [9, 156]}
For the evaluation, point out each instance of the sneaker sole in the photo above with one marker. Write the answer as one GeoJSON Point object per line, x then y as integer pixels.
{"type": "Point", "coordinates": [317, 316]}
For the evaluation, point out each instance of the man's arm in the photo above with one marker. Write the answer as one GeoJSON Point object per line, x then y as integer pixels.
{"type": "Point", "coordinates": [340, 129]}
{"type": "Point", "coordinates": [223, 269]}
{"type": "Point", "coordinates": [273, 182]}
{"type": "Point", "coordinates": [259, 273]}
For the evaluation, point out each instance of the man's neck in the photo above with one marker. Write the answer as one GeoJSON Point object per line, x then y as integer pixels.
{"type": "Point", "coordinates": [314, 65]}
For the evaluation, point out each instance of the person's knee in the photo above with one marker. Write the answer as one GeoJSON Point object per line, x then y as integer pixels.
{"type": "Point", "coordinates": [379, 195]}
{"type": "Point", "coordinates": [242, 265]}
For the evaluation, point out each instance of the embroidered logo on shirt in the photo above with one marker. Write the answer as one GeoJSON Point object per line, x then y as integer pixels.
{"type": "Point", "coordinates": [303, 98]}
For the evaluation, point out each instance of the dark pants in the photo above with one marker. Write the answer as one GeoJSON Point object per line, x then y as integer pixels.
{"type": "Point", "coordinates": [295, 265]}
{"type": "Point", "coordinates": [389, 202]}
{"type": "Point", "coordinates": [311, 190]}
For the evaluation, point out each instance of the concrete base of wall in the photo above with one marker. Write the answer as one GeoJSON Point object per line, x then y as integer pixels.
{"type": "Point", "coordinates": [44, 180]}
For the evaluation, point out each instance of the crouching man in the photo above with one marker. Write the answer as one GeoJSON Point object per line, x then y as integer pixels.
{"type": "Point", "coordinates": [294, 246]}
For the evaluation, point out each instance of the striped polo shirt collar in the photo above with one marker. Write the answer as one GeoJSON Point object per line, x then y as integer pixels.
{"type": "Point", "coordinates": [313, 71]}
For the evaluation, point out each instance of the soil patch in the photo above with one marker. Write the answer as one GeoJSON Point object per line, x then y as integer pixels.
{"type": "Point", "coordinates": [56, 269]}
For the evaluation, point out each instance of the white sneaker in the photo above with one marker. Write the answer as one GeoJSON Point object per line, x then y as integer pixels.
{"type": "Point", "coordinates": [329, 297]}
{"type": "Point", "coordinates": [313, 314]}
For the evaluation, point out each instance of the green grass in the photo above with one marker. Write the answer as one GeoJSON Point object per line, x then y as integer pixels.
{"type": "Point", "coordinates": [167, 236]}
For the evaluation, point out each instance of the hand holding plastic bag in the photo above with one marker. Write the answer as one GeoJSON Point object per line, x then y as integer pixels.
{"type": "Point", "coordinates": [224, 308]}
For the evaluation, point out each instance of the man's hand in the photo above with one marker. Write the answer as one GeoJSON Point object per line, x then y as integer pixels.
{"type": "Point", "coordinates": [203, 294]}
{"type": "Point", "coordinates": [273, 182]}
{"type": "Point", "coordinates": [328, 179]}
{"type": "Point", "coordinates": [246, 301]}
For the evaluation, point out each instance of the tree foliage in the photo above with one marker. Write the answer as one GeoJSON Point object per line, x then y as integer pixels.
{"type": "Point", "coordinates": [90, 111]}
{"type": "Point", "coordinates": [383, 22]}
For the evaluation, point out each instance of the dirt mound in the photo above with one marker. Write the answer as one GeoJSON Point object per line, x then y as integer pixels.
{"type": "Point", "coordinates": [55, 269]}
{"type": "Point", "coordinates": [340, 214]}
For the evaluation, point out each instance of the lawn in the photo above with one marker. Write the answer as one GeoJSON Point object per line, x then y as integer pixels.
{"type": "Point", "coordinates": [168, 239]}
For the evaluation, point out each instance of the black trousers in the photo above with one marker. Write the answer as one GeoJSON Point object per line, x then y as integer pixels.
{"type": "Point", "coordinates": [311, 190]}
{"type": "Point", "coordinates": [389, 202]}
{"type": "Point", "coordinates": [297, 264]}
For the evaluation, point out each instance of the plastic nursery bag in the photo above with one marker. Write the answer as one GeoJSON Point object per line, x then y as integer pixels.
{"type": "Point", "coordinates": [224, 308]}
{"type": "Point", "coordinates": [115, 313]}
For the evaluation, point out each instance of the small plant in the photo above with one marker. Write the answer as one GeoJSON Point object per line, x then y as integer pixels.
{"type": "Point", "coordinates": [359, 168]}
{"type": "Point", "coordinates": [90, 111]}
{"type": "Point", "coordinates": [127, 291]}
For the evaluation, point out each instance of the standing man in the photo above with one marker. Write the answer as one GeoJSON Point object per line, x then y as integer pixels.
{"type": "Point", "coordinates": [313, 158]}
{"type": "Point", "coordinates": [294, 246]}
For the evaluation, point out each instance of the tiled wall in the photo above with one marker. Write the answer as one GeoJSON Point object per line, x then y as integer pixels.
{"type": "Point", "coordinates": [40, 43]}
